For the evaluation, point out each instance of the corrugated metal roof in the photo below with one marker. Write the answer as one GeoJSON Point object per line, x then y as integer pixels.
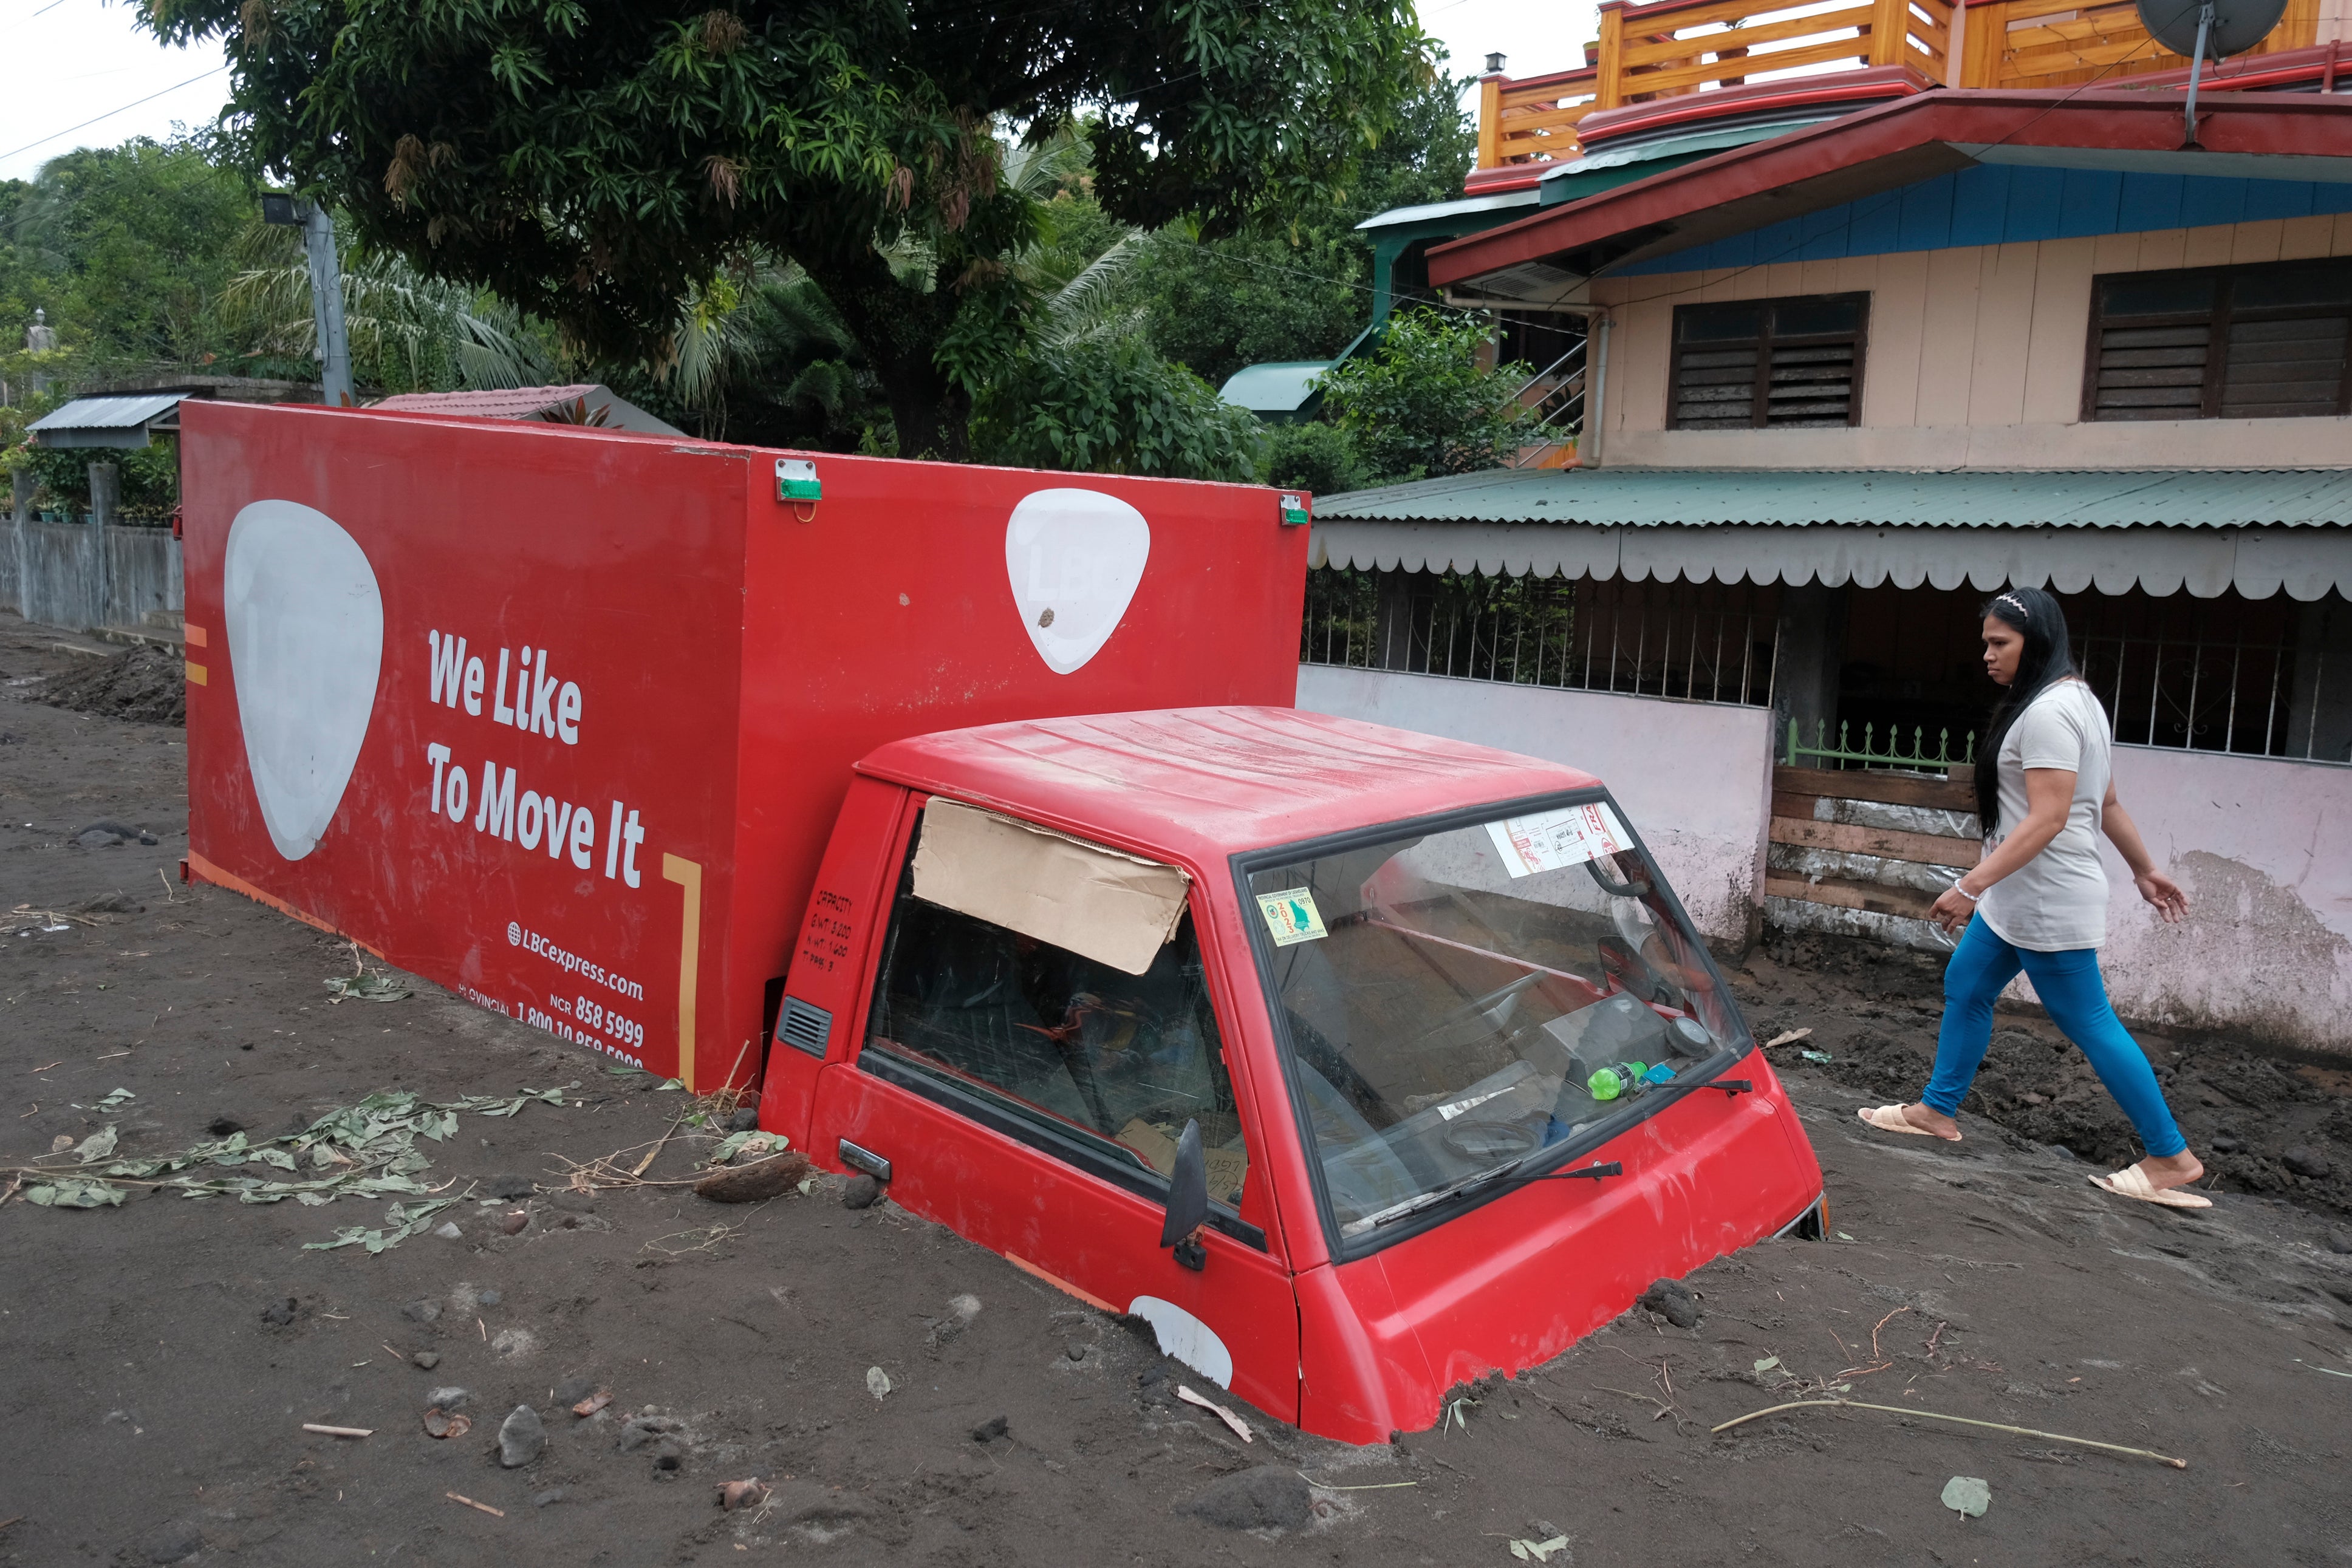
{"type": "Point", "coordinates": [1657, 497]}
{"type": "Point", "coordinates": [122, 413]}
{"type": "Point", "coordinates": [530, 403]}
{"type": "Point", "coordinates": [1618, 153]}
{"type": "Point", "coordinates": [493, 403]}
{"type": "Point", "coordinates": [1277, 387]}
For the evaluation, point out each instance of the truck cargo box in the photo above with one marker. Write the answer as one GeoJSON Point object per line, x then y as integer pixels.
{"type": "Point", "coordinates": [561, 718]}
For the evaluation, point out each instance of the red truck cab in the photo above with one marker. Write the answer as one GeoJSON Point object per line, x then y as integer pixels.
{"type": "Point", "coordinates": [1421, 1016]}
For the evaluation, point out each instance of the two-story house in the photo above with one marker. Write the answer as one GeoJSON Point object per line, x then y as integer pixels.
{"type": "Point", "coordinates": [1855, 350]}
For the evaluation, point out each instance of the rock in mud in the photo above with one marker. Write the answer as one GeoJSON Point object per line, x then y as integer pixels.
{"type": "Point", "coordinates": [863, 1192]}
{"type": "Point", "coordinates": [1672, 1300]}
{"type": "Point", "coordinates": [750, 1184]}
{"type": "Point", "coordinates": [2339, 1241]}
{"type": "Point", "coordinates": [425, 1312]}
{"type": "Point", "coordinates": [2305, 1161]}
{"type": "Point", "coordinates": [1267, 1497]}
{"type": "Point", "coordinates": [645, 1432]}
{"type": "Point", "coordinates": [510, 1187]}
{"type": "Point", "coordinates": [746, 1119]}
{"type": "Point", "coordinates": [279, 1313]}
{"type": "Point", "coordinates": [572, 1390]}
{"type": "Point", "coordinates": [522, 1437]}
{"type": "Point", "coordinates": [448, 1398]}
{"type": "Point", "coordinates": [995, 1426]}
{"type": "Point", "coordinates": [553, 1494]}
{"type": "Point", "coordinates": [427, 1359]}
{"type": "Point", "coordinates": [447, 1231]}
{"type": "Point", "coordinates": [175, 1542]}
{"type": "Point", "coordinates": [2228, 1143]}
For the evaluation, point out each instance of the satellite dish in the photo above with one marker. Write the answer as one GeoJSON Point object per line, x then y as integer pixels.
{"type": "Point", "coordinates": [2236, 26]}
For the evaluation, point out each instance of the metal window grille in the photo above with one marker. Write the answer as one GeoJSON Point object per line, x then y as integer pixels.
{"type": "Point", "coordinates": [2250, 695]}
{"type": "Point", "coordinates": [1699, 641]}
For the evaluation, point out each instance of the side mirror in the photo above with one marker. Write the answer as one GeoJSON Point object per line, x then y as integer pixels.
{"type": "Point", "coordinates": [1188, 1200]}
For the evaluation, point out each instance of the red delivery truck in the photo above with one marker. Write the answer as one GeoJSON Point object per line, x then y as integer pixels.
{"type": "Point", "coordinates": [1356, 1062]}
{"type": "Point", "coordinates": [557, 716]}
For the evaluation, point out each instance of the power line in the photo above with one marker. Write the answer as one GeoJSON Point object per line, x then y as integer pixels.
{"type": "Point", "coordinates": [110, 113]}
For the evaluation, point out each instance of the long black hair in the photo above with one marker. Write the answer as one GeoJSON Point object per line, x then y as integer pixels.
{"type": "Point", "coordinates": [2035, 614]}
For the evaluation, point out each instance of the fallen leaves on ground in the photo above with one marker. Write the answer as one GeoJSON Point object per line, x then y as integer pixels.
{"type": "Point", "coordinates": [365, 1150]}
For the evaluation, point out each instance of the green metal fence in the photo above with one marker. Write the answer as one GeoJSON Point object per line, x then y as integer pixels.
{"type": "Point", "coordinates": [1869, 754]}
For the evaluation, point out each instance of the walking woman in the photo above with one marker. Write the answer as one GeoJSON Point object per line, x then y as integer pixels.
{"type": "Point", "coordinates": [2040, 896]}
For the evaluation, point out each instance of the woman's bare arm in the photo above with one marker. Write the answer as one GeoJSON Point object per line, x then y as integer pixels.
{"type": "Point", "coordinates": [2049, 795]}
{"type": "Point", "coordinates": [2172, 903]}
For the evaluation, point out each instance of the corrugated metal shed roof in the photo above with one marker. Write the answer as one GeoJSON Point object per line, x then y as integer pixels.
{"type": "Point", "coordinates": [530, 403]}
{"type": "Point", "coordinates": [1281, 386]}
{"type": "Point", "coordinates": [122, 413]}
{"type": "Point", "coordinates": [1656, 497]}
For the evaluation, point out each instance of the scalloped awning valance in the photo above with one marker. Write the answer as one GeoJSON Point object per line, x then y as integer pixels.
{"type": "Point", "coordinates": [2257, 562]}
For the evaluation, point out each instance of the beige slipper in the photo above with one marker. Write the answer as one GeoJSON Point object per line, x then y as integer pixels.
{"type": "Point", "coordinates": [1890, 1119]}
{"type": "Point", "coordinates": [2132, 1182]}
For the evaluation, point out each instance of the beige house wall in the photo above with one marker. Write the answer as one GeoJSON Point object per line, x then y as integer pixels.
{"type": "Point", "coordinates": [1974, 360]}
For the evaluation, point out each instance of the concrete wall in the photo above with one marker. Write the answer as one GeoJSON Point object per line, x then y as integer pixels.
{"type": "Point", "coordinates": [2265, 849]}
{"type": "Point", "coordinates": [1695, 778]}
{"type": "Point", "coordinates": [79, 576]}
{"type": "Point", "coordinates": [1974, 360]}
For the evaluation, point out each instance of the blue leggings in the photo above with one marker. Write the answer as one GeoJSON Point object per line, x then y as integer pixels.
{"type": "Point", "coordinates": [2068, 986]}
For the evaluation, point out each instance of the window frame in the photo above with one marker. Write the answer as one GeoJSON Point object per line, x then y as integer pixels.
{"type": "Point", "coordinates": [1761, 390]}
{"type": "Point", "coordinates": [2217, 321]}
{"type": "Point", "coordinates": [987, 1104]}
{"type": "Point", "coordinates": [1349, 1249]}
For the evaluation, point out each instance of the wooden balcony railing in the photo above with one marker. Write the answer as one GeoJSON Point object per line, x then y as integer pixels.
{"type": "Point", "coordinates": [2047, 43]}
{"type": "Point", "coordinates": [1532, 119]}
{"type": "Point", "coordinates": [1673, 48]}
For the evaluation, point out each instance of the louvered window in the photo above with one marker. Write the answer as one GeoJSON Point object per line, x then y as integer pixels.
{"type": "Point", "coordinates": [2239, 343]}
{"type": "Point", "coordinates": [1768, 363]}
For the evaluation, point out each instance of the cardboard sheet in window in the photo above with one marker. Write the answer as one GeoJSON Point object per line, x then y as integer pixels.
{"type": "Point", "coordinates": [1117, 909]}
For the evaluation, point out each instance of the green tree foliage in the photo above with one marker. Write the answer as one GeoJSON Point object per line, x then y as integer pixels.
{"type": "Point", "coordinates": [1422, 406]}
{"type": "Point", "coordinates": [597, 163]}
{"type": "Point", "coordinates": [407, 332]}
{"type": "Point", "coordinates": [126, 249]}
{"type": "Point", "coordinates": [1298, 284]}
{"type": "Point", "coordinates": [1315, 456]}
{"type": "Point", "coordinates": [1112, 407]}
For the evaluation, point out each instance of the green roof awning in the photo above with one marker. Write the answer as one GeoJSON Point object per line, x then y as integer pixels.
{"type": "Point", "coordinates": [2208, 531]}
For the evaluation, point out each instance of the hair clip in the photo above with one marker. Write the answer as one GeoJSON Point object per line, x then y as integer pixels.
{"type": "Point", "coordinates": [2011, 599]}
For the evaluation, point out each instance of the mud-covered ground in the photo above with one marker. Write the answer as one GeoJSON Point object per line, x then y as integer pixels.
{"type": "Point", "coordinates": [154, 1382]}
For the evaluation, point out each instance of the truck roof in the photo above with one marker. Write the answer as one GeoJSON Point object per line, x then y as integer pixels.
{"type": "Point", "coordinates": [1203, 782]}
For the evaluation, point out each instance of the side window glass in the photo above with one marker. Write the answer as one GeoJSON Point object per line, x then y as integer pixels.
{"type": "Point", "coordinates": [1066, 1052]}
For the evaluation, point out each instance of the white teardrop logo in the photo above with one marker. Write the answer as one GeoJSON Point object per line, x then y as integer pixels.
{"type": "Point", "coordinates": [305, 646]}
{"type": "Point", "coordinates": [1074, 558]}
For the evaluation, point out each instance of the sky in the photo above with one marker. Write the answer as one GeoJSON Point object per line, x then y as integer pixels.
{"type": "Point", "coordinates": [76, 61]}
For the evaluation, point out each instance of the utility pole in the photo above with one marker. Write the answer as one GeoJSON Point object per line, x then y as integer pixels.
{"type": "Point", "coordinates": [326, 290]}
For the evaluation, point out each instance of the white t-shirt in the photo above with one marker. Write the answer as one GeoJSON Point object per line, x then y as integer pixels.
{"type": "Point", "coordinates": [2058, 900]}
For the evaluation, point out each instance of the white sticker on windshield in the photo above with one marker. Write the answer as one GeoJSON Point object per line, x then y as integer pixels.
{"type": "Point", "coordinates": [1548, 841]}
{"type": "Point", "coordinates": [1291, 916]}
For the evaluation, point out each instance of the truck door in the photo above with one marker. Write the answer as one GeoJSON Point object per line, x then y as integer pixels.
{"type": "Point", "coordinates": [1028, 1092]}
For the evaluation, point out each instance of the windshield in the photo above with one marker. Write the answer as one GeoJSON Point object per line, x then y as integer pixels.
{"type": "Point", "coordinates": [1458, 1003]}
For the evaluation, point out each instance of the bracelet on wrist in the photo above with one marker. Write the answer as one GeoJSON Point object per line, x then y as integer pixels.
{"type": "Point", "coordinates": [1964, 892]}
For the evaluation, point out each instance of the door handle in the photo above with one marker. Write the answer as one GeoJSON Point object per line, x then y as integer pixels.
{"type": "Point", "coordinates": [865, 1160]}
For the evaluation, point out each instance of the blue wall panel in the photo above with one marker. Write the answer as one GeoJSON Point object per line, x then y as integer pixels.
{"type": "Point", "coordinates": [1994, 204]}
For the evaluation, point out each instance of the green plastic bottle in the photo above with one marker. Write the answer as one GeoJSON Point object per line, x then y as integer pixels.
{"type": "Point", "coordinates": [1611, 1082]}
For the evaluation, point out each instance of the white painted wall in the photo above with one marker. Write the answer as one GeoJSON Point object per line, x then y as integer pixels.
{"type": "Point", "coordinates": [2265, 849]}
{"type": "Point", "coordinates": [1695, 778]}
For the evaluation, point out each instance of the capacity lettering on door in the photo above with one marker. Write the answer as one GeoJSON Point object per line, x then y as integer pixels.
{"type": "Point", "coordinates": [826, 943]}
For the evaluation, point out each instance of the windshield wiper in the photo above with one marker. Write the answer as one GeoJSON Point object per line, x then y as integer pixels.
{"type": "Point", "coordinates": [1512, 1174]}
